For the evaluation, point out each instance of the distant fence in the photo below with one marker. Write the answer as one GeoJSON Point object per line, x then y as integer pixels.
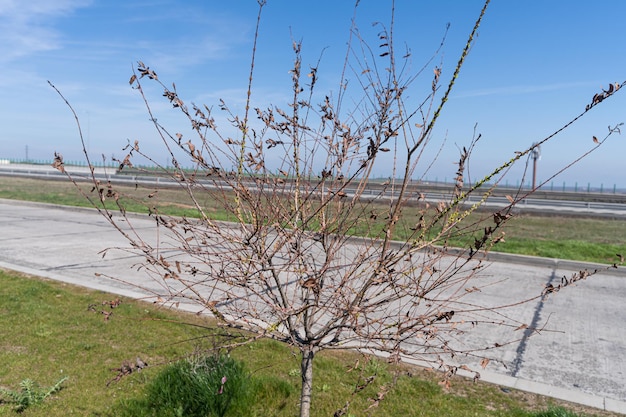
{"type": "Point", "coordinates": [552, 186]}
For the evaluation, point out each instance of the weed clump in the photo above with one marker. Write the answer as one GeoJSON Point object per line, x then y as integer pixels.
{"type": "Point", "coordinates": [29, 393]}
{"type": "Point", "coordinates": [203, 385]}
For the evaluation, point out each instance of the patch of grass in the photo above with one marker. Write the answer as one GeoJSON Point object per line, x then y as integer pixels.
{"type": "Point", "coordinates": [48, 333]}
{"type": "Point", "coordinates": [168, 201]}
{"type": "Point", "coordinates": [579, 250]}
{"type": "Point", "coordinates": [583, 239]}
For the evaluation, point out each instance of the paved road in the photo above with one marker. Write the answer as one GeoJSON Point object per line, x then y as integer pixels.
{"type": "Point", "coordinates": [580, 357]}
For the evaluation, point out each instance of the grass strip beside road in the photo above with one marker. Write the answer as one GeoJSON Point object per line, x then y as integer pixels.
{"type": "Point", "coordinates": [53, 330]}
{"type": "Point", "coordinates": [563, 237]}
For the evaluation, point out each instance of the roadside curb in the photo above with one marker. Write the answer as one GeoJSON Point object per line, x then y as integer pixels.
{"type": "Point", "coordinates": [576, 397]}
{"type": "Point", "coordinates": [555, 263]}
{"type": "Point", "coordinates": [559, 393]}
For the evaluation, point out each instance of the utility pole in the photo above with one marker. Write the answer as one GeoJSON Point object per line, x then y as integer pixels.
{"type": "Point", "coordinates": [536, 155]}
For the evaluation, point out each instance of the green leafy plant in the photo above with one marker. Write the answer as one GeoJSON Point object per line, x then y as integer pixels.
{"type": "Point", "coordinates": [29, 393]}
{"type": "Point", "coordinates": [203, 385]}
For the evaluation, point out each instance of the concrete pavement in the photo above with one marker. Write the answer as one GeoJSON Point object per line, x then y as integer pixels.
{"type": "Point", "coordinates": [579, 357]}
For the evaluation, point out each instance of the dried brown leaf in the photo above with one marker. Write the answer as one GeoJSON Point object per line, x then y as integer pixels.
{"type": "Point", "coordinates": [58, 162]}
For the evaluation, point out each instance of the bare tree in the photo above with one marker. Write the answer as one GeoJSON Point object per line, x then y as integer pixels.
{"type": "Point", "coordinates": [317, 254]}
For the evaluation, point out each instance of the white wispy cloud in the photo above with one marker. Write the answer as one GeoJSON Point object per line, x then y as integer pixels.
{"type": "Point", "coordinates": [27, 27]}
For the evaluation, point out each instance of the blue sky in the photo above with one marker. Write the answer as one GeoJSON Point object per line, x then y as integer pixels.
{"type": "Point", "coordinates": [534, 66]}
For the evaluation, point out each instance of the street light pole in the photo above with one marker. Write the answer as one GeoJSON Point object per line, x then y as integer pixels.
{"type": "Point", "coordinates": [535, 154]}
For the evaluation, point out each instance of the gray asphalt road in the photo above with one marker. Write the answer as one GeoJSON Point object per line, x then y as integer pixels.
{"type": "Point", "coordinates": [580, 356]}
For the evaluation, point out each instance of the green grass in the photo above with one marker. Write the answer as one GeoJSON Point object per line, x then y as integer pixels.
{"type": "Point", "coordinates": [52, 330]}
{"type": "Point", "coordinates": [574, 238]}
{"type": "Point", "coordinates": [48, 333]}
{"type": "Point", "coordinates": [562, 237]}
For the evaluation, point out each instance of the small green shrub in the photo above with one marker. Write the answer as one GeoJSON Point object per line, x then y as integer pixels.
{"type": "Point", "coordinates": [555, 412]}
{"type": "Point", "coordinates": [202, 386]}
{"type": "Point", "coordinates": [30, 393]}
